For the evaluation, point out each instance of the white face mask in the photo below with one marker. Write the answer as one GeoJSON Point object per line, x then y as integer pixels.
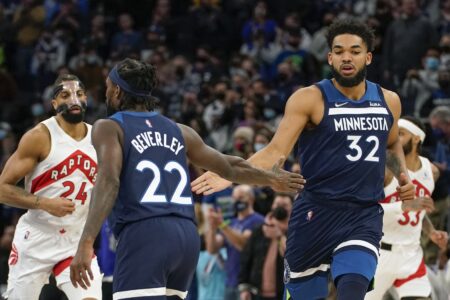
{"type": "Point", "coordinates": [258, 146]}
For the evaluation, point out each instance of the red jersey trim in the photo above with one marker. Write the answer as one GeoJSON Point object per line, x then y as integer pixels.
{"type": "Point", "coordinates": [421, 271]}
{"type": "Point", "coordinates": [78, 160]}
{"type": "Point", "coordinates": [62, 265]}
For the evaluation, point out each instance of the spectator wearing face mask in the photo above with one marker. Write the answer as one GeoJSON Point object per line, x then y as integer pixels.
{"type": "Point", "coordinates": [233, 234]}
{"type": "Point", "coordinates": [267, 99]}
{"type": "Point", "coordinates": [300, 60]}
{"type": "Point", "coordinates": [260, 22]}
{"type": "Point", "coordinates": [418, 86]}
{"type": "Point", "coordinates": [403, 50]}
{"type": "Point", "coordinates": [261, 271]}
{"type": "Point", "coordinates": [262, 138]}
{"type": "Point", "coordinates": [440, 96]}
{"type": "Point", "coordinates": [444, 45]}
{"type": "Point", "coordinates": [440, 156]}
{"type": "Point", "coordinates": [242, 142]}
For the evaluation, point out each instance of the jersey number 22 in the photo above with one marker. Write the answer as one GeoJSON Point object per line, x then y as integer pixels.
{"type": "Point", "coordinates": [150, 195]}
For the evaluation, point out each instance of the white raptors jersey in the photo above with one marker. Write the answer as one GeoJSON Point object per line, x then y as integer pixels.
{"type": "Point", "coordinates": [404, 228]}
{"type": "Point", "coordinates": [69, 171]}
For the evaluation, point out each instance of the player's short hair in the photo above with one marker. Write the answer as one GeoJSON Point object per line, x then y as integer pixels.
{"type": "Point", "coordinates": [57, 85]}
{"type": "Point", "coordinates": [351, 27]}
{"type": "Point", "coordinates": [140, 76]}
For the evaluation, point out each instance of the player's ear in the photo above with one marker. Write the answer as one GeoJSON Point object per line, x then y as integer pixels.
{"type": "Point", "coordinates": [368, 58]}
{"type": "Point", "coordinates": [416, 139]}
{"type": "Point", "coordinates": [117, 91]}
{"type": "Point", "coordinates": [54, 104]}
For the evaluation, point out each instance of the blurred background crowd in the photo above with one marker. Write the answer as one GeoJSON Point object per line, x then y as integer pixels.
{"type": "Point", "coordinates": [226, 68]}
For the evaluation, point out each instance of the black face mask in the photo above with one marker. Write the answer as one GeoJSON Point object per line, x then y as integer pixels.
{"type": "Point", "coordinates": [202, 59]}
{"type": "Point", "coordinates": [220, 95]}
{"type": "Point", "coordinates": [293, 44]}
{"type": "Point", "coordinates": [349, 81]}
{"type": "Point", "coordinates": [240, 206]}
{"type": "Point", "coordinates": [444, 84]}
{"type": "Point", "coordinates": [282, 77]}
{"type": "Point", "coordinates": [179, 72]}
{"type": "Point", "coordinates": [445, 49]}
{"type": "Point", "coordinates": [69, 117]}
{"type": "Point", "coordinates": [280, 213]}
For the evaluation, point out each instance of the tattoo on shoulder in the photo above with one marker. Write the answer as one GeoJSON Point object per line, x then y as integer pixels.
{"type": "Point", "coordinates": [393, 163]}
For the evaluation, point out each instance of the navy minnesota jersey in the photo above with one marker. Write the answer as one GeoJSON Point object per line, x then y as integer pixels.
{"type": "Point", "coordinates": [155, 180]}
{"type": "Point", "coordinates": [343, 157]}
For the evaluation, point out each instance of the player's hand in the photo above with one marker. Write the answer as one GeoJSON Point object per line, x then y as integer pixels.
{"type": "Point", "coordinates": [418, 204]}
{"type": "Point", "coordinates": [440, 238]}
{"type": "Point", "coordinates": [215, 218]}
{"type": "Point", "coordinates": [58, 207]}
{"type": "Point", "coordinates": [443, 258]}
{"type": "Point", "coordinates": [80, 267]}
{"type": "Point", "coordinates": [285, 181]}
{"type": "Point", "coordinates": [245, 295]}
{"type": "Point", "coordinates": [406, 189]}
{"type": "Point", "coordinates": [209, 183]}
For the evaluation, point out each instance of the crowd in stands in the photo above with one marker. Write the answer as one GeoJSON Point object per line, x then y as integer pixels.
{"type": "Point", "coordinates": [226, 68]}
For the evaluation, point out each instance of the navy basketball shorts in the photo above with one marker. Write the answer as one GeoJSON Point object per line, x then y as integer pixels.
{"type": "Point", "coordinates": [330, 237]}
{"type": "Point", "coordinates": [156, 259]}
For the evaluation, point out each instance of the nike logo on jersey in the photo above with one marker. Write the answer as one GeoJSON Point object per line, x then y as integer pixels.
{"type": "Point", "coordinates": [340, 104]}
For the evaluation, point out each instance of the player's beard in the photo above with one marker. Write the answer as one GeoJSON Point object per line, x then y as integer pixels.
{"type": "Point", "coordinates": [407, 148]}
{"type": "Point", "coordinates": [349, 81]}
{"type": "Point", "coordinates": [69, 117]}
{"type": "Point", "coordinates": [110, 110]}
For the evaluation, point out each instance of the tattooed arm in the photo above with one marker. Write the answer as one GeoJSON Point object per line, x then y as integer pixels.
{"type": "Point", "coordinates": [393, 163]}
{"type": "Point", "coordinates": [395, 158]}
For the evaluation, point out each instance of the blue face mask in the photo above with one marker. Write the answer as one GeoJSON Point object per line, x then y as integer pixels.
{"type": "Point", "coordinates": [432, 63]}
{"type": "Point", "coordinates": [438, 133]}
{"type": "Point", "coordinates": [3, 134]}
{"type": "Point", "coordinates": [269, 113]}
{"type": "Point", "coordinates": [258, 146]}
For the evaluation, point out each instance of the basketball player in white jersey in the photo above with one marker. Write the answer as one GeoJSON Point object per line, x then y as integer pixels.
{"type": "Point", "coordinates": [59, 165]}
{"type": "Point", "coordinates": [401, 265]}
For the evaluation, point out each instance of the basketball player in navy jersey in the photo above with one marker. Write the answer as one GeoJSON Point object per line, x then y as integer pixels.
{"type": "Point", "coordinates": [343, 127]}
{"type": "Point", "coordinates": [143, 173]}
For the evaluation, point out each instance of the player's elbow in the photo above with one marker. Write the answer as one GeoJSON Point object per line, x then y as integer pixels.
{"type": "Point", "coordinates": [3, 187]}
{"type": "Point", "coordinates": [109, 180]}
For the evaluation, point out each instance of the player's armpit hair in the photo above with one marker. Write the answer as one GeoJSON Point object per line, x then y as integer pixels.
{"type": "Point", "coordinates": [393, 163]}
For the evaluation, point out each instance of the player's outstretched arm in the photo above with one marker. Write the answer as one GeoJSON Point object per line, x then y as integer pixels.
{"type": "Point", "coordinates": [439, 237]}
{"type": "Point", "coordinates": [33, 147]}
{"type": "Point", "coordinates": [236, 169]}
{"type": "Point", "coordinates": [301, 108]}
{"type": "Point", "coordinates": [395, 158]}
{"type": "Point", "coordinates": [107, 140]}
